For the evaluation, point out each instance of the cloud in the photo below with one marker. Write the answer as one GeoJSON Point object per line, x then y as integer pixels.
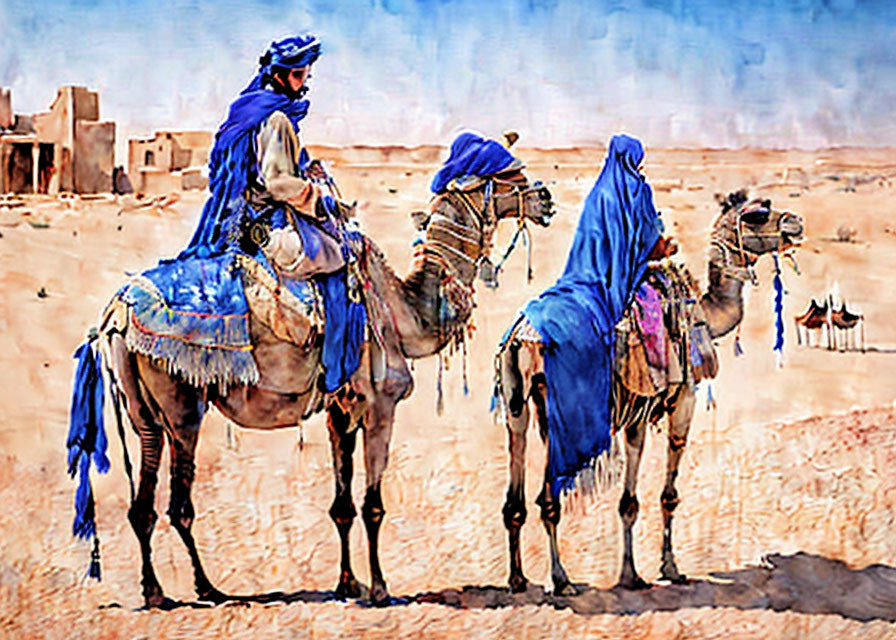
{"type": "Point", "coordinates": [804, 73]}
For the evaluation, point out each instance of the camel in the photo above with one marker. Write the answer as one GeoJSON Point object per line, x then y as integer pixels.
{"type": "Point", "coordinates": [411, 318]}
{"type": "Point", "coordinates": [741, 234]}
{"type": "Point", "coordinates": [814, 318]}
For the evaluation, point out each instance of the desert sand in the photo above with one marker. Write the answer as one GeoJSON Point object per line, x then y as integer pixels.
{"type": "Point", "coordinates": [787, 486]}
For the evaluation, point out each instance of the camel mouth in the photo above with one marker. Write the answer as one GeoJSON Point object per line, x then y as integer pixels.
{"type": "Point", "coordinates": [792, 241]}
{"type": "Point", "coordinates": [792, 231]}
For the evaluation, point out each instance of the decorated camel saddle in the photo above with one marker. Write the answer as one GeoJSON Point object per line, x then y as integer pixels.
{"type": "Point", "coordinates": [661, 331]}
{"type": "Point", "coordinates": [203, 316]}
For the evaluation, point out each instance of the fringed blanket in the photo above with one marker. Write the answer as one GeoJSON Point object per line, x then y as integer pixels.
{"type": "Point", "coordinates": [192, 313]}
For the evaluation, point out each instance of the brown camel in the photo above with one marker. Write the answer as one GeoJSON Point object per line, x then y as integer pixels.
{"type": "Point", "coordinates": [814, 318]}
{"type": "Point", "coordinates": [741, 234]}
{"type": "Point", "coordinates": [407, 319]}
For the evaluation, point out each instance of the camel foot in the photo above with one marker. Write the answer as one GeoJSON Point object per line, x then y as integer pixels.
{"type": "Point", "coordinates": [565, 589]}
{"type": "Point", "coordinates": [162, 603]}
{"type": "Point", "coordinates": [214, 596]}
{"type": "Point", "coordinates": [518, 583]}
{"type": "Point", "coordinates": [669, 571]}
{"type": "Point", "coordinates": [633, 583]}
{"type": "Point", "coordinates": [379, 594]}
{"type": "Point", "coordinates": [348, 588]}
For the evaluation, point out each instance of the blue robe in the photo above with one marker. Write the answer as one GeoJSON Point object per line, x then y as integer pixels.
{"type": "Point", "coordinates": [617, 230]}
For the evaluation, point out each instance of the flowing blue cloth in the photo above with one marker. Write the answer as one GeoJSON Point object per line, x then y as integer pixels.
{"type": "Point", "coordinates": [471, 155]}
{"type": "Point", "coordinates": [86, 440]}
{"type": "Point", "coordinates": [232, 164]}
{"type": "Point", "coordinates": [575, 318]}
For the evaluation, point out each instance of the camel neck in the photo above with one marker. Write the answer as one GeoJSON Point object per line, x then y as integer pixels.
{"type": "Point", "coordinates": [723, 301]}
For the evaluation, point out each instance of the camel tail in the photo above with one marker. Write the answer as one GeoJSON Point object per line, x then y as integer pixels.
{"type": "Point", "coordinates": [87, 442]}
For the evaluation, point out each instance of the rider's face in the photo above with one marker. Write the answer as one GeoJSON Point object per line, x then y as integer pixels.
{"type": "Point", "coordinates": [297, 78]}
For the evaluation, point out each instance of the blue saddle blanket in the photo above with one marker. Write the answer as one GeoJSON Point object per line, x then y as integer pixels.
{"type": "Point", "coordinates": [192, 313]}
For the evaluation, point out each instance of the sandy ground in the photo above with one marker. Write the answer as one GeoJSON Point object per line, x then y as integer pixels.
{"type": "Point", "coordinates": [795, 461]}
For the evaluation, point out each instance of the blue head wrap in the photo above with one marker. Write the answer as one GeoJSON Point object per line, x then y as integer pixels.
{"type": "Point", "coordinates": [472, 155]}
{"type": "Point", "coordinates": [575, 318]}
{"type": "Point", "coordinates": [289, 53]}
{"type": "Point", "coordinates": [232, 160]}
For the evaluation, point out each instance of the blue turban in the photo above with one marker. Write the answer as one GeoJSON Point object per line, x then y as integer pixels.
{"type": "Point", "coordinates": [289, 53]}
{"type": "Point", "coordinates": [472, 155]}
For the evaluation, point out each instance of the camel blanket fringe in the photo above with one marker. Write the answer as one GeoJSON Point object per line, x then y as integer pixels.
{"type": "Point", "coordinates": [200, 348]}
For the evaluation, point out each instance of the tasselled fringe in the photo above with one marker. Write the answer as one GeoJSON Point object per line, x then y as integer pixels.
{"type": "Point", "coordinates": [199, 366]}
{"type": "Point", "coordinates": [603, 473]}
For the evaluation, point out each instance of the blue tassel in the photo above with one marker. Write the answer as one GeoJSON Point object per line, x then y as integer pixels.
{"type": "Point", "coordinates": [87, 442]}
{"type": "Point", "coordinates": [738, 351]}
{"type": "Point", "coordinates": [779, 309]}
{"type": "Point", "coordinates": [710, 400]}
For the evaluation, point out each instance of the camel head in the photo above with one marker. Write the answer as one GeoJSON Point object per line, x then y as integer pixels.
{"type": "Point", "coordinates": [747, 229]}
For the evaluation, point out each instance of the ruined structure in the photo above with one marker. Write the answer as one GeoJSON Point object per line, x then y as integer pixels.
{"type": "Point", "coordinates": [64, 149]}
{"type": "Point", "coordinates": [169, 161]}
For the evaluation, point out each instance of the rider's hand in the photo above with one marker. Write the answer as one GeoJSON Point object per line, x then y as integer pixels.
{"type": "Point", "coordinates": [316, 170]}
{"type": "Point", "coordinates": [663, 248]}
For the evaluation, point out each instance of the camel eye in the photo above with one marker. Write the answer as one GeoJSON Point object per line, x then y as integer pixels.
{"type": "Point", "coordinates": [755, 216]}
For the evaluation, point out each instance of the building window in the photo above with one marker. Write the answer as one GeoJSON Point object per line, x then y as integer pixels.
{"type": "Point", "coordinates": [149, 159]}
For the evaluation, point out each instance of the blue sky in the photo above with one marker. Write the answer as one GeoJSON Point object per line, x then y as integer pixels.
{"type": "Point", "coordinates": [804, 74]}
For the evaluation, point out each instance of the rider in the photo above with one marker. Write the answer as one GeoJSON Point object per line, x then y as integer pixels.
{"type": "Point", "coordinates": [264, 189]}
{"type": "Point", "coordinates": [619, 232]}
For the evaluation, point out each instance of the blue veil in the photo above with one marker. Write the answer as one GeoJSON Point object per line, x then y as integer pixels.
{"type": "Point", "coordinates": [575, 318]}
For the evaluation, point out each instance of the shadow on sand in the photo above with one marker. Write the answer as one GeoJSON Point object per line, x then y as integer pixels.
{"type": "Point", "coordinates": [802, 583]}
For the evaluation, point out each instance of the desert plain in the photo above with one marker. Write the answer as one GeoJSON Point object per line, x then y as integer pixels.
{"type": "Point", "coordinates": [788, 492]}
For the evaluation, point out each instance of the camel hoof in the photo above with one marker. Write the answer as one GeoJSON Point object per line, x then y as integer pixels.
{"type": "Point", "coordinates": [518, 583]}
{"type": "Point", "coordinates": [635, 583]}
{"type": "Point", "coordinates": [163, 603]}
{"type": "Point", "coordinates": [565, 589]}
{"type": "Point", "coordinates": [676, 578]}
{"type": "Point", "coordinates": [214, 596]}
{"type": "Point", "coordinates": [348, 589]}
{"type": "Point", "coordinates": [379, 595]}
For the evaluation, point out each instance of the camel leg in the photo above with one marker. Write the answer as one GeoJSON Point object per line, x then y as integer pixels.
{"type": "Point", "coordinates": [343, 512]}
{"type": "Point", "coordinates": [799, 342]}
{"type": "Point", "coordinates": [628, 503]}
{"type": "Point", "coordinates": [514, 510]}
{"type": "Point", "coordinates": [679, 425]}
{"type": "Point", "coordinates": [550, 505]}
{"type": "Point", "coordinates": [141, 513]}
{"type": "Point", "coordinates": [182, 439]}
{"type": "Point", "coordinates": [376, 456]}
{"type": "Point", "coordinates": [179, 408]}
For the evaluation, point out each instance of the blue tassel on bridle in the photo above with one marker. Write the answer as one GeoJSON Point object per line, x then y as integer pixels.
{"type": "Point", "coordinates": [87, 441]}
{"type": "Point", "coordinates": [779, 311]}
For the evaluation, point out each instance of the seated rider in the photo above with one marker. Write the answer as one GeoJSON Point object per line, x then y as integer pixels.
{"type": "Point", "coordinates": [265, 193]}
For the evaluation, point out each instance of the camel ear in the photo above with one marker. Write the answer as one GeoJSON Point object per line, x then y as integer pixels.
{"type": "Point", "coordinates": [510, 137]}
{"type": "Point", "coordinates": [420, 219]}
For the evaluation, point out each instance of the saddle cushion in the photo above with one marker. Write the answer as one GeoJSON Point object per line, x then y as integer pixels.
{"type": "Point", "coordinates": [662, 340]}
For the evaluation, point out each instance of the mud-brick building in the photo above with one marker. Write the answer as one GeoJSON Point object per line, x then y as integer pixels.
{"type": "Point", "coordinates": [64, 149]}
{"type": "Point", "coordinates": [169, 161]}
